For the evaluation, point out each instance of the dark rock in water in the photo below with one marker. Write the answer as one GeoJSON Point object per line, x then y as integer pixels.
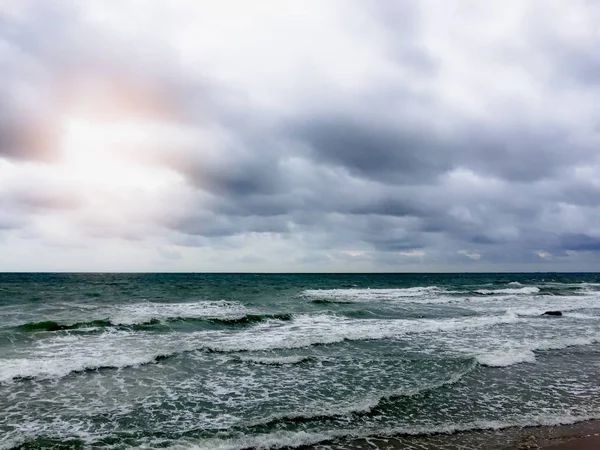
{"type": "Point", "coordinates": [552, 313]}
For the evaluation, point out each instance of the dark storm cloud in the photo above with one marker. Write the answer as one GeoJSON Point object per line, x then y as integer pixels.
{"type": "Point", "coordinates": [390, 168]}
{"type": "Point", "coordinates": [580, 242]}
{"type": "Point", "coordinates": [517, 154]}
{"type": "Point", "coordinates": [209, 224]}
{"type": "Point", "coordinates": [375, 151]}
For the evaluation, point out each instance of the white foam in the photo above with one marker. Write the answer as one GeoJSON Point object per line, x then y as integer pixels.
{"type": "Point", "coordinates": [561, 343]}
{"type": "Point", "coordinates": [504, 358]}
{"type": "Point", "coordinates": [52, 368]}
{"type": "Point", "coordinates": [527, 290]}
{"type": "Point", "coordinates": [61, 355]}
{"type": "Point", "coordinates": [288, 439]}
{"type": "Point", "coordinates": [533, 305]}
{"type": "Point", "coordinates": [368, 404]}
{"type": "Point", "coordinates": [565, 309]}
{"type": "Point", "coordinates": [276, 439]}
{"type": "Point", "coordinates": [508, 354]}
{"type": "Point", "coordinates": [307, 330]}
{"type": "Point", "coordinates": [361, 295]}
{"type": "Point", "coordinates": [144, 312]}
{"type": "Point", "coordinates": [58, 356]}
{"type": "Point", "coordinates": [279, 439]}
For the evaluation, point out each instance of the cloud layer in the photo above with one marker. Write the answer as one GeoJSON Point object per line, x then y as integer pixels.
{"type": "Point", "coordinates": [306, 136]}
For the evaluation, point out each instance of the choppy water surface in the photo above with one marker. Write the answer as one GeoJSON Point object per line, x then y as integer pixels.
{"type": "Point", "coordinates": [268, 361]}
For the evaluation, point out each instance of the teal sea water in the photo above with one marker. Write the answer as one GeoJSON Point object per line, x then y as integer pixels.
{"type": "Point", "coordinates": [232, 361]}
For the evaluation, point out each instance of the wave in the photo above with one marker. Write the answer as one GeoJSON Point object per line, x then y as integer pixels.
{"type": "Point", "coordinates": [278, 360]}
{"type": "Point", "coordinates": [525, 353]}
{"type": "Point", "coordinates": [505, 358]}
{"type": "Point", "coordinates": [249, 318]}
{"type": "Point", "coordinates": [107, 323]}
{"type": "Point", "coordinates": [528, 290]}
{"type": "Point", "coordinates": [300, 439]}
{"type": "Point", "coordinates": [565, 309]}
{"type": "Point", "coordinates": [362, 407]}
{"type": "Point", "coordinates": [421, 295]}
{"type": "Point", "coordinates": [143, 312]}
{"type": "Point", "coordinates": [31, 369]}
{"type": "Point", "coordinates": [322, 301]}
{"type": "Point", "coordinates": [127, 349]}
{"type": "Point", "coordinates": [49, 325]}
{"type": "Point", "coordinates": [344, 437]}
{"type": "Point", "coordinates": [361, 295]}
{"type": "Point", "coordinates": [307, 331]}
{"type": "Point", "coordinates": [59, 356]}
{"type": "Point", "coordinates": [535, 305]}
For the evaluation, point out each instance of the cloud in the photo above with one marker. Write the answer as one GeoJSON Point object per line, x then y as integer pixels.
{"type": "Point", "coordinates": [472, 255]}
{"type": "Point", "coordinates": [414, 253]}
{"type": "Point", "coordinates": [544, 255]}
{"type": "Point", "coordinates": [346, 135]}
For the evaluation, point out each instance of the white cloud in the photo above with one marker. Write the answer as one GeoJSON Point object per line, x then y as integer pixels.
{"type": "Point", "coordinates": [414, 253]}
{"type": "Point", "coordinates": [472, 255]}
{"type": "Point", "coordinates": [543, 254]}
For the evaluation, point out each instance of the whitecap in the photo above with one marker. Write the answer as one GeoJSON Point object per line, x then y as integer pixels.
{"type": "Point", "coordinates": [362, 295]}
{"type": "Point", "coordinates": [527, 290]}
{"type": "Point", "coordinates": [138, 313]}
{"type": "Point", "coordinates": [504, 358]}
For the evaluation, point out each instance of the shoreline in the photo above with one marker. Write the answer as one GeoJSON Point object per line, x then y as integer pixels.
{"type": "Point", "coordinates": [583, 435]}
{"type": "Point", "coordinates": [579, 436]}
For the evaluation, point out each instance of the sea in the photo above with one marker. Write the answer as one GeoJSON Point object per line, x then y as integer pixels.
{"type": "Point", "coordinates": [318, 361]}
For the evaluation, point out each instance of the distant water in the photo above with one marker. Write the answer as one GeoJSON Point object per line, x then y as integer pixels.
{"type": "Point", "coordinates": [231, 361]}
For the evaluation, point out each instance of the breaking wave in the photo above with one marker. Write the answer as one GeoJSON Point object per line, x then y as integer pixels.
{"type": "Point", "coordinates": [362, 295]}
{"type": "Point", "coordinates": [505, 356]}
{"type": "Point", "coordinates": [277, 360]}
{"type": "Point", "coordinates": [120, 349]}
{"type": "Point", "coordinates": [50, 368]}
{"type": "Point", "coordinates": [107, 323]}
{"type": "Point", "coordinates": [295, 439]}
{"type": "Point", "coordinates": [528, 290]}
{"type": "Point", "coordinates": [364, 406]}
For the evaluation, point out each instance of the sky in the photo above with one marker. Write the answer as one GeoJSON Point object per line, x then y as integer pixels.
{"type": "Point", "coordinates": [299, 136]}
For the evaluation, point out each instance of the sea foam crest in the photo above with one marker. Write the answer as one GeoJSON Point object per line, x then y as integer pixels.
{"type": "Point", "coordinates": [48, 368]}
{"type": "Point", "coordinates": [294, 439]}
{"type": "Point", "coordinates": [144, 312]}
{"type": "Point", "coordinates": [527, 290]}
{"type": "Point", "coordinates": [308, 330]}
{"type": "Point", "coordinates": [369, 403]}
{"type": "Point", "coordinates": [507, 355]}
{"type": "Point", "coordinates": [360, 295]}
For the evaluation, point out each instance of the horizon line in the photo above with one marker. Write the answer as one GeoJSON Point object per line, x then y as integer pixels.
{"type": "Point", "coordinates": [296, 273]}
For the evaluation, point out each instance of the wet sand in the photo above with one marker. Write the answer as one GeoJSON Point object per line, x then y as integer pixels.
{"type": "Point", "coordinates": [579, 436]}
{"type": "Point", "coordinates": [582, 443]}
